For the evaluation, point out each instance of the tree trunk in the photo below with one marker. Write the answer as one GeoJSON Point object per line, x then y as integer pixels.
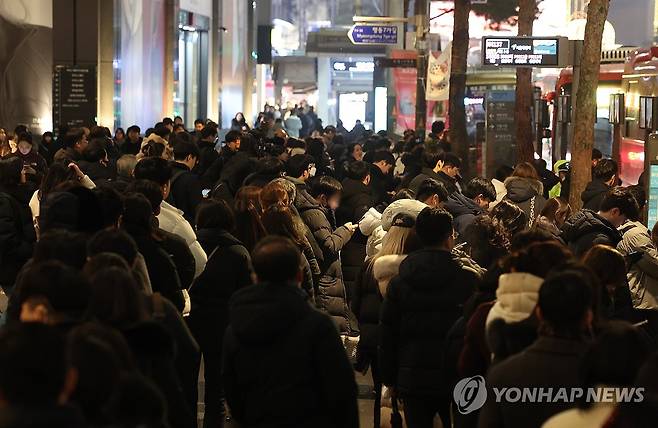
{"type": "Point", "coordinates": [523, 104]}
{"type": "Point", "coordinates": [585, 112]}
{"type": "Point", "coordinates": [456, 110]}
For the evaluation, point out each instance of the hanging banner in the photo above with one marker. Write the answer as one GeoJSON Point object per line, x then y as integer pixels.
{"type": "Point", "coordinates": [438, 75]}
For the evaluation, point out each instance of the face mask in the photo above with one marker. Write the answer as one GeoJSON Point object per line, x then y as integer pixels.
{"type": "Point", "coordinates": [312, 172]}
{"type": "Point", "coordinates": [24, 152]}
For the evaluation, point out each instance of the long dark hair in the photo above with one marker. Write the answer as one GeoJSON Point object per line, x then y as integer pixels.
{"type": "Point", "coordinates": [58, 173]}
{"type": "Point", "coordinates": [279, 220]}
{"type": "Point", "coordinates": [248, 226]}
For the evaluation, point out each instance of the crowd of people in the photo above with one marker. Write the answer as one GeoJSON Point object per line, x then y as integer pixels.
{"type": "Point", "coordinates": [282, 259]}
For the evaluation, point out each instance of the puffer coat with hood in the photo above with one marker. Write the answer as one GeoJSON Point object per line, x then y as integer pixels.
{"type": "Point", "coordinates": [330, 296]}
{"type": "Point", "coordinates": [527, 194]}
{"type": "Point", "coordinates": [516, 297]}
{"type": "Point", "coordinates": [593, 195]}
{"type": "Point", "coordinates": [463, 210]}
{"type": "Point", "coordinates": [586, 229]}
{"type": "Point", "coordinates": [284, 364]}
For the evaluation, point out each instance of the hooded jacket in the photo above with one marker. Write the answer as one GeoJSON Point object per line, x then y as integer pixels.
{"type": "Point", "coordinates": [586, 229]}
{"type": "Point", "coordinates": [171, 219]}
{"type": "Point", "coordinates": [527, 194]}
{"type": "Point", "coordinates": [463, 210]}
{"type": "Point", "coordinates": [207, 156]}
{"type": "Point", "coordinates": [185, 191]}
{"type": "Point", "coordinates": [330, 296]}
{"type": "Point", "coordinates": [643, 274]}
{"type": "Point", "coordinates": [593, 195]}
{"type": "Point", "coordinates": [516, 296]}
{"type": "Point", "coordinates": [449, 182]}
{"type": "Point", "coordinates": [421, 305]}
{"type": "Point", "coordinates": [355, 201]}
{"type": "Point", "coordinates": [284, 364]}
{"type": "Point", "coordinates": [386, 268]}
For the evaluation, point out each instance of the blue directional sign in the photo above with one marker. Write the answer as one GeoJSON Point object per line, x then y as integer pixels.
{"type": "Point", "coordinates": [373, 34]}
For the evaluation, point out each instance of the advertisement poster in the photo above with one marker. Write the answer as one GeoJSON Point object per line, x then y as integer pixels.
{"type": "Point", "coordinates": [438, 75]}
{"type": "Point", "coordinates": [405, 90]}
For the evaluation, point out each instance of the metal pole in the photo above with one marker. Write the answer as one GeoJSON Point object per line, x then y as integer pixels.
{"type": "Point", "coordinates": [422, 24]}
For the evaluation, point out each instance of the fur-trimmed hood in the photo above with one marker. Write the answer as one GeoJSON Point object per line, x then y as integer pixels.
{"type": "Point", "coordinates": [407, 206]}
{"type": "Point", "coordinates": [521, 189]}
{"type": "Point", "coordinates": [516, 296]}
{"type": "Point", "coordinates": [385, 268]}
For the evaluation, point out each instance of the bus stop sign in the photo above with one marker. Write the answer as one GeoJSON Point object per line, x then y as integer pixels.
{"type": "Point", "coordinates": [373, 34]}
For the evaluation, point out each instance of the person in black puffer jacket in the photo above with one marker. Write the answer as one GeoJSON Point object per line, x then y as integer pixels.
{"type": "Point", "coordinates": [586, 228]}
{"type": "Point", "coordinates": [421, 305]}
{"type": "Point", "coordinates": [228, 270]}
{"type": "Point", "coordinates": [284, 364]}
{"type": "Point", "coordinates": [478, 194]}
{"type": "Point", "coordinates": [319, 217]}
{"type": "Point", "coordinates": [355, 201]}
{"type": "Point", "coordinates": [604, 176]}
{"type": "Point", "coordinates": [524, 189]}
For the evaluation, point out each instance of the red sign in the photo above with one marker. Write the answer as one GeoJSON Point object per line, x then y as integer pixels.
{"type": "Point", "coordinates": [405, 91]}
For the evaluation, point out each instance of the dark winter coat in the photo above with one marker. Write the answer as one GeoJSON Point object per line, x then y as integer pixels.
{"type": "Point", "coordinates": [463, 210]}
{"type": "Point", "coordinates": [449, 182]}
{"type": "Point", "coordinates": [155, 353]}
{"type": "Point", "coordinates": [284, 363]}
{"type": "Point", "coordinates": [181, 255]}
{"type": "Point", "coordinates": [593, 195]}
{"type": "Point", "coordinates": [98, 172]}
{"type": "Point", "coordinates": [228, 269]}
{"type": "Point", "coordinates": [212, 174]}
{"type": "Point", "coordinates": [236, 169]}
{"type": "Point", "coordinates": [207, 156]}
{"type": "Point", "coordinates": [330, 296]}
{"type": "Point", "coordinates": [188, 354]}
{"type": "Point", "coordinates": [17, 235]}
{"type": "Point", "coordinates": [356, 200]}
{"type": "Point", "coordinates": [586, 229]}
{"type": "Point", "coordinates": [68, 154]}
{"type": "Point", "coordinates": [35, 161]}
{"type": "Point", "coordinates": [527, 194]}
{"type": "Point", "coordinates": [421, 305]}
{"type": "Point", "coordinates": [130, 148]}
{"type": "Point", "coordinates": [380, 185]}
{"type": "Point", "coordinates": [366, 305]}
{"type": "Point", "coordinates": [161, 269]}
{"type": "Point", "coordinates": [549, 363]}
{"type": "Point", "coordinates": [185, 191]}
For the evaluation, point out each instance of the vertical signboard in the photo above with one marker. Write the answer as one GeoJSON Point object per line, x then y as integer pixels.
{"type": "Point", "coordinates": [500, 130]}
{"type": "Point", "coordinates": [652, 209]}
{"type": "Point", "coordinates": [74, 95]}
